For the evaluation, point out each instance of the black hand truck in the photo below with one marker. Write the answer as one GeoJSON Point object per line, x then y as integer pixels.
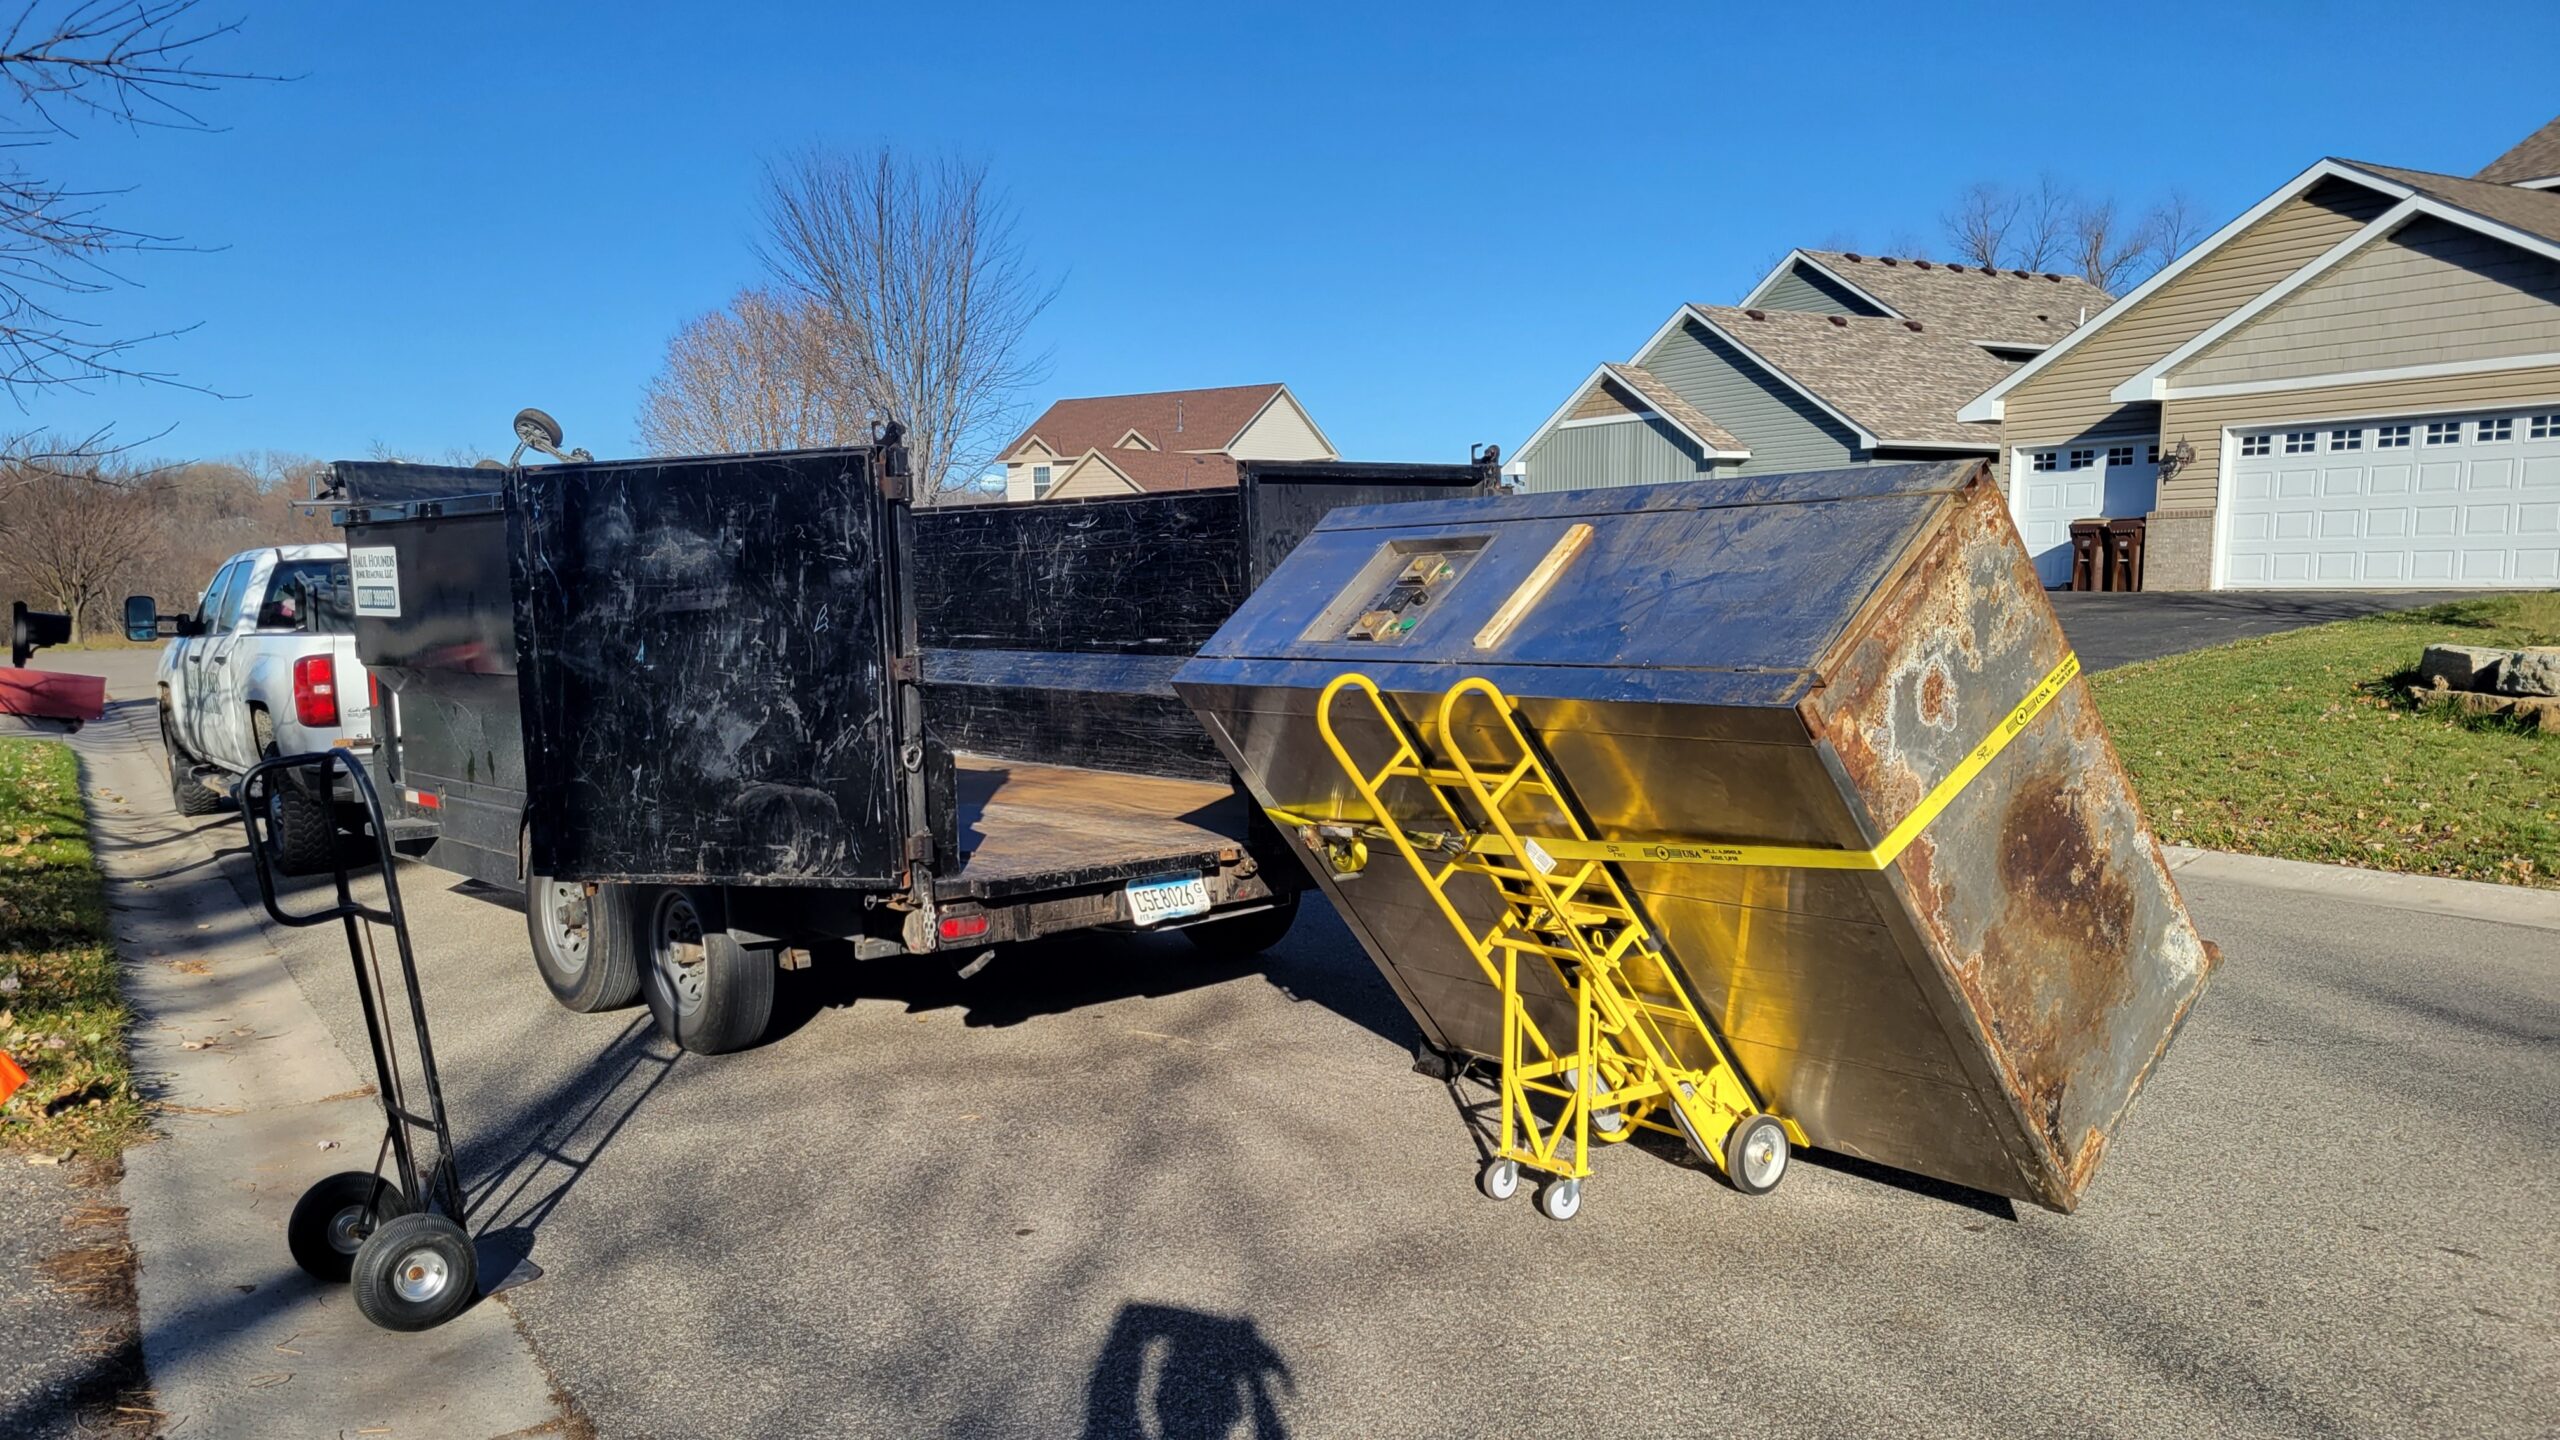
{"type": "Point", "coordinates": [399, 1238]}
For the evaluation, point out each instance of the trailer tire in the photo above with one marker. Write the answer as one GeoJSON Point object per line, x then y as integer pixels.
{"type": "Point", "coordinates": [415, 1272]}
{"type": "Point", "coordinates": [331, 1220]}
{"type": "Point", "coordinates": [708, 993]}
{"type": "Point", "coordinates": [588, 961]}
{"type": "Point", "coordinates": [188, 794]}
{"type": "Point", "coordinates": [1246, 934]}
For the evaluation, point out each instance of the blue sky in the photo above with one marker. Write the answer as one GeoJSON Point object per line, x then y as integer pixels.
{"type": "Point", "coordinates": [1428, 220]}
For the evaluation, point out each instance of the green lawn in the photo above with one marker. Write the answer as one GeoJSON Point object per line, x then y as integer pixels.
{"type": "Point", "coordinates": [2303, 746]}
{"type": "Point", "coordinates": [62, 1014]}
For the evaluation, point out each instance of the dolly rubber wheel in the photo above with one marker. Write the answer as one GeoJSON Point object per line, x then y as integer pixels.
{"type": "Point", "coordinates": [1499, 1179]}
{"type": "Point", "coordinates": [331, 1220]}
{"type": "Point", "coordinates": [582, 944]}
{"type": "Point", "coordinates": [1560, 1199]}
{"type": "Point", "coordinates": [707, 992]}
{"type": "Point", "coordinates": [415, 1272]}
{"type": "Point", "coordinates": [1755, 1154]}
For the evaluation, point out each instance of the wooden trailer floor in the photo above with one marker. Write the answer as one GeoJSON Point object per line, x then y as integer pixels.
{"type": "Point", "coordinates": [1026, 828]}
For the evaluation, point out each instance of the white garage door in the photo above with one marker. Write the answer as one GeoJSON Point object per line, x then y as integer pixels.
{"type": "Point", "coordinates": [2441, 500]}
{"type": "Point", "coordinates": [2086, 480]}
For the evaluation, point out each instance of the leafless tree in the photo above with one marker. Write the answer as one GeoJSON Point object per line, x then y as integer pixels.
{"type": "Point", "coordinates": [2043, 232]}
{"type": "Point", "coordinates": [2172, 228]}
{"type": "Point", "coordinates": [129, 63]}
{"type": "Point", "coordinates": [2104, 250]}
{"type": "Point", "coordinates": [1978, 224]}
{"type": "Point", "coordinates": [770, 371]}
{"type": "Point", "coordinates": [923, 282]}
{"type": "Point", "coordinates": [68, 536]}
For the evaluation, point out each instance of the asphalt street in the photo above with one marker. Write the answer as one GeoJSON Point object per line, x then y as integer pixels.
{"type": "Point", "coordinates": [1107, 1187]}
{"type": "Point", "coordinates": [2117, 629]}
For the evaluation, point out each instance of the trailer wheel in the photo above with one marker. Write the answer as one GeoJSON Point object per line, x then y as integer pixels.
{"type": "Point", "coordinates": [188, 794]}
{"type": "Point", "coordinates": [331, 1220]}
{"type": "Point", "coordinates": [301, 828]}
{"type": "Point", "coordinates": [415, 1272]}
{"type": "Point", "coordinates": [707, 992]}
{"type": "Point", "coordinates": [1755, 1154]}
{"type": "Point", "coordinates": [582, 944]}
{"type": "Point", "coordinates": [1247, 934]}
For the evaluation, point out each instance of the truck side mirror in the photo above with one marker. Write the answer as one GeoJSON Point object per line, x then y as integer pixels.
{"type": "Point", "coordinates": [141, 618]}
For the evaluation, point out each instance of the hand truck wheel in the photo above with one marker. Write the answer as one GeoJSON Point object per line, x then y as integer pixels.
{"type": "Point", "coordinates": [1560, 1199]}
{"type": "Point", "coordinates": [331, 1220]}
{"type": "Point", "coordinates": [1499, 1179]}
{"type": "Point", "coordinates": [1755, 1154]}
{"type": "Point", "coordinates": [415, 1272]}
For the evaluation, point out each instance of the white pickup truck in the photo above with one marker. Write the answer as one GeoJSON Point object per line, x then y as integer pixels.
{"type": "Point", "coordinates": [265, 666]}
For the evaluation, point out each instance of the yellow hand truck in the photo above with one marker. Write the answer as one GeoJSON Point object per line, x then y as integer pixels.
{"type": "Point", "coordinates": [1641, 1055]}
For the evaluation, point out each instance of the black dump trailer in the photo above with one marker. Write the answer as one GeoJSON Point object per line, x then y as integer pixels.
{"type": "Point", "coordinates": [714, 714]}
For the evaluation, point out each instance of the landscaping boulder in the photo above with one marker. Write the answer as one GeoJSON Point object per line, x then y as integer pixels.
{"type": "Point", "coordinates": [2534, 671]}
{"type": "Point", "coordinates": [2462, 667]}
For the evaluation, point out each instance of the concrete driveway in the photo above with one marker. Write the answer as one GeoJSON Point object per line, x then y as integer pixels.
{"type": "Point", "coordinates": [2112, 629]}
{"type": "Point", "coordinates": [1109, 1188]}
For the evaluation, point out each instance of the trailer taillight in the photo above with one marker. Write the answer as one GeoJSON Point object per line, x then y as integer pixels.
{"type": "Point", "coordinates": [315, 690]}
{"type": "Point", "coordinates": [963, 927]}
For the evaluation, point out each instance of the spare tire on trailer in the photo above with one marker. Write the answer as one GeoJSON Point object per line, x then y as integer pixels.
{"type": "Point", "coordinates": [582, 943]}
{"type": "Point", "coordinates": [707, 992]}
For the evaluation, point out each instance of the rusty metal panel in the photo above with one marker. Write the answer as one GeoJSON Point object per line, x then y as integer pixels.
{"type": "Point", "coordinates": [1793, 660]}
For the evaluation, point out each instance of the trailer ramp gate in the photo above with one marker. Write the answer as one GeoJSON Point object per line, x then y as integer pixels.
{"type": "Point", "coordinates": [1768, 810]}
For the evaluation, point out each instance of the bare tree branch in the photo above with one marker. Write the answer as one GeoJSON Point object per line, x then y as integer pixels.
{"type": "Point", "coordinates": [1978, 224]}
{"type": "Point", "coordinates": [68, 537]}
{"type": "Point", "coordinates": [771, 371]}
{"type": "Point", "coordinates": [918, 270]}
{"type": "Point", "coordinates": [2043, 229]}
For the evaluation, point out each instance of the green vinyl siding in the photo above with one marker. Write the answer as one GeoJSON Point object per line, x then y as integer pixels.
{"type": "Point", "coordinates": [1803, 289]}
{"type": "Point", "coordinates": [1622, 452]}
{"type": "Point", "coordinates": [1782, 430]}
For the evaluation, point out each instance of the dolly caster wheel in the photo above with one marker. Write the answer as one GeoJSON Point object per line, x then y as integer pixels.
{"type": "Point", "coordinates": [1499, 1179]}
{"type": "Point", "coordinates": [331, 1220]}
{"type": "Point", "coordinates": [415, 1272]}
{"type": "Point", "coordinates": [1560, 1199]}
{"type": "Point", "coordinates": [1755, 1155]}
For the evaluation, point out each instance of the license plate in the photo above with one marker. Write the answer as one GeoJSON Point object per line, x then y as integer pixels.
{"type": "Point", "coordinates": [1152, 902]}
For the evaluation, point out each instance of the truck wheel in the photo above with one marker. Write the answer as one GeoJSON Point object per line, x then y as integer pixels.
{"type": "Point", "coordinates": [582, 944]}
{"type": "Point", "coordinates": [301, 829]}
{"type": "Point", "coordinates": [190, 795]}
{"type": "Point", "coordinates": [707, 992]}
{"type": "Point", "coordinates": [1247, 934]}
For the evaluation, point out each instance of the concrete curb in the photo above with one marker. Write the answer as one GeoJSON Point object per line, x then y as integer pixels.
{"type": "Point", "coordinates": [257, 1102]}
{"type": "Point", "coordinates": [2422, 894]}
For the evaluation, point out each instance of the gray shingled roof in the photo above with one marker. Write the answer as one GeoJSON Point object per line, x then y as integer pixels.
{"type": "Point", "coordinates": [1666, 401]}
{"type": "Point", "coordinates": [2536, 212]}
{"type": "Point", "coordinates": [1901, 385]}
{"type": "Point", "coordinates": [2535, 157]}
{"type": "Point", "coordinates": [2014, 306]}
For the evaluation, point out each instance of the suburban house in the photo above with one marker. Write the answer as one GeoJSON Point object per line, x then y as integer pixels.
{"type": "Point", "coordinates": [1165, 440]}
{"type": "Point", "coordinates": [2357, 384]}
{"type": "Point", "coordinates": [1834, 358]}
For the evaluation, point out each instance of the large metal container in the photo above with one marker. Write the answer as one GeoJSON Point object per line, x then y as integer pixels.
{"type": "Point", "coordinates": [1794, 660]}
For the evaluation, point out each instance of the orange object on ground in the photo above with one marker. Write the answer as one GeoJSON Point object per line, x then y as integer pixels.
{"type": "Point", "coordinates": [11, 1077]}
{"type": "Point", "coordinates": [52, 695]}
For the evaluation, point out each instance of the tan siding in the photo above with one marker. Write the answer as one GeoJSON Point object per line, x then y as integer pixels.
{"type": "Point", "coordinates": [2201, 422]}
{"type": "Point", "coordinates": [1089, 478]}
{"type": "Point", "coordinates": [2433, 293]}
{"type": "Point", "coordinates": [1605, 399]}
{"type": "Point", "coordinates": [2070, 397]}
{"type": "Point", "coordinates": [1281, 432]}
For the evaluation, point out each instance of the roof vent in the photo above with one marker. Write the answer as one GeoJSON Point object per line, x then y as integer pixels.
{"type": "Point", "coordinates": [1852, 256]}
{"type": "Point", "coordinates": [1757, 314]}
{"type": "Point", "coordinates": [1911, 325]}
{"type": "Point", "coordinates": [1840, 320]}
{"type": "Point", "coordinates": [2021, 274]}
{"type": "Point", "coordinates": [1888, 260]}
{"type": "Point", "coordinates": [1954, 269]}
{"type": "Point", "coordinates": [2056, 279]}
{"type": "Point", "coordinates": [2047, 318]}
{"type": "Point", "coordinates": [1923, 264]}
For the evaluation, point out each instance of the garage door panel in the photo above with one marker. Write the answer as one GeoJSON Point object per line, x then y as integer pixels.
{"type": "Point", "coordinates": [2479, 504]}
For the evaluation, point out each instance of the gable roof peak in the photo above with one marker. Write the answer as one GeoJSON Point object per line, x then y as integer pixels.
{"type": "Point", "coordinates": [1201, 419]}
{"type": "Point", "coordinates": [2535, 157]}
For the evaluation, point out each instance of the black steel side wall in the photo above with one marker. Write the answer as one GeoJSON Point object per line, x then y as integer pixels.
{"type": "Point", "coordinates": [705, 671]}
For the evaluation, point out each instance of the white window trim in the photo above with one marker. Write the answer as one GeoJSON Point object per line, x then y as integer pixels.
{"type": "Point", "coordinates": [2344, 378]}
{"type": "Point", "coordinates": [1989, 404]}
{"type": "Point", "coordinates": [1599, 373]}
{"type": "Point", "coordinates": [1619, 419]}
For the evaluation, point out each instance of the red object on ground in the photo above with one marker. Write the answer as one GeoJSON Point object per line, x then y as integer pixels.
{"type": "Point", "coordinates": [51, 695]}
{"type": "Point", "coordinates": [11, 1077]}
